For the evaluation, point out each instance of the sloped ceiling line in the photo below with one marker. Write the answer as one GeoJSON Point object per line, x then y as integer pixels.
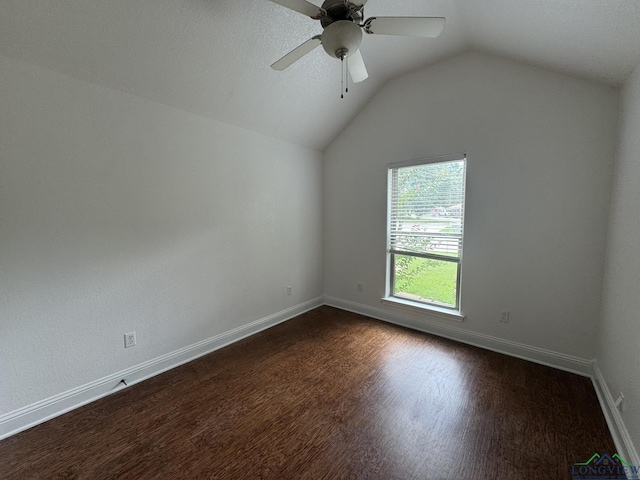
{"type": "Point", "coordinates": [212, 57]}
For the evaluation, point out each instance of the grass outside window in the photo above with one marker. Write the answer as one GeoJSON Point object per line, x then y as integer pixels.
{"type": "Point", "coordinates": [426, 280]}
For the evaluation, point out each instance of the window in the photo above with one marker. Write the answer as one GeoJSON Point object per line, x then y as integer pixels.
{"type": "Point", "coordinates": [426, 223]}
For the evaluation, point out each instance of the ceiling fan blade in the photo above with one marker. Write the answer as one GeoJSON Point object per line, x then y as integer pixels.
{"type": "Point", "coordinates": [410, 26]}
{"type": "Point", "coordinates": [301, 6]}
{"type": "Point", "coordinates": [357, 68]}
{"type": "Point", "coordinates": [297, 53]}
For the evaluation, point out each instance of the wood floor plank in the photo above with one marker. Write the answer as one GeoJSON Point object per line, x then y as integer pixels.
{"type": "Point", "coordinates": [327, 395]}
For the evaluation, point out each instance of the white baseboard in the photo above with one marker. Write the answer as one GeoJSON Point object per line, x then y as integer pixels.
{"type": "Point", "coordinates": [542, 356]}
{"type": "Point", "coordinates": [621, 438]}
{"type": "Point", "coordinates": [580, 366]}
{"type": "Point", "coordinates": [39, 412]}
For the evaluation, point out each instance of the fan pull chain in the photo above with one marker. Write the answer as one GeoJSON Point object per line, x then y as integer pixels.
{"type": "Point", "coordinates": [342, 77]}
{"type": "Point", "coordinates": [342, 53]}
{"type": "Point", "coordinates": [346, 77]}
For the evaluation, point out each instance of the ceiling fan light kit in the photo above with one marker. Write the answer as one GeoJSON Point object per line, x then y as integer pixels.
{"type": "Point", "coordinates": [341, 38]}
{"type": "Point", "coordinates": [342, 21]}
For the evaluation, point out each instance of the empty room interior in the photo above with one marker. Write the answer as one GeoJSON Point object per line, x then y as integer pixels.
{"type": "Point", "coordinates": [407, 248]}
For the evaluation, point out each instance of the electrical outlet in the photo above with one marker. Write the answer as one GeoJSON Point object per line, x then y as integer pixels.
{"type": "Point", "coordinates": [129, 339]}
{"type": "Point", "coordinates": [504, 316]}
{"type": "Point", "coordinates": [360, 287]}
{"type": "Point", "coordinates": [289, 290]}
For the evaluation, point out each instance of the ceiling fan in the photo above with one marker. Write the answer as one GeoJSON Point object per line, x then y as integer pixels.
{"type": "Point", "coordinates": [342, 21]}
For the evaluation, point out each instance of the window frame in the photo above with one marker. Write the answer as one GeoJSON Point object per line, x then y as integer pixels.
{"type": "Point", "coordinates": [391, 297]}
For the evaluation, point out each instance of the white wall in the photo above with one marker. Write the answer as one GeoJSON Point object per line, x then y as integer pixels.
{"type": "Point", "coordinates": [540, 152]}
{"type": "Point", "coordinates": [119, 214]}
{"type": "Point", "coordinates": [619, 337]}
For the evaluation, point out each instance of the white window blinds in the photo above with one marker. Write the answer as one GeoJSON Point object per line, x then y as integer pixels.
{"type": "Point", "coordinates": [427, 209]}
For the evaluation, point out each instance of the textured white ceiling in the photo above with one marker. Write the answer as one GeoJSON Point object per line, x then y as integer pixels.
{"type": "Point", "coordinates": [212, 57]}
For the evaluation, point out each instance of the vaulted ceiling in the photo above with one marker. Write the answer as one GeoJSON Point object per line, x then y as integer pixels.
{"type": "Point", "coordinates": [212, 57]}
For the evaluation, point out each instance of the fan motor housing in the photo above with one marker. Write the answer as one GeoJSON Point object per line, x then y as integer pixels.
{"type": "Point", "coordinates": [340, 10]}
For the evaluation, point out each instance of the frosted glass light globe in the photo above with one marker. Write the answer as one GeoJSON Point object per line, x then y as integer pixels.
{"type": "Point", "coordinates": [340, 36]}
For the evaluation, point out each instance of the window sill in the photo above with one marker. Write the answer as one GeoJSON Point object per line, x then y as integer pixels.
{"type": "Point", "coordinates": [431, 310]}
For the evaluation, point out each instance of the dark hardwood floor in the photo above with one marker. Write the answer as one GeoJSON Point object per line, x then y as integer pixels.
{"type": "Point", "coordinates": [327, 395]}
